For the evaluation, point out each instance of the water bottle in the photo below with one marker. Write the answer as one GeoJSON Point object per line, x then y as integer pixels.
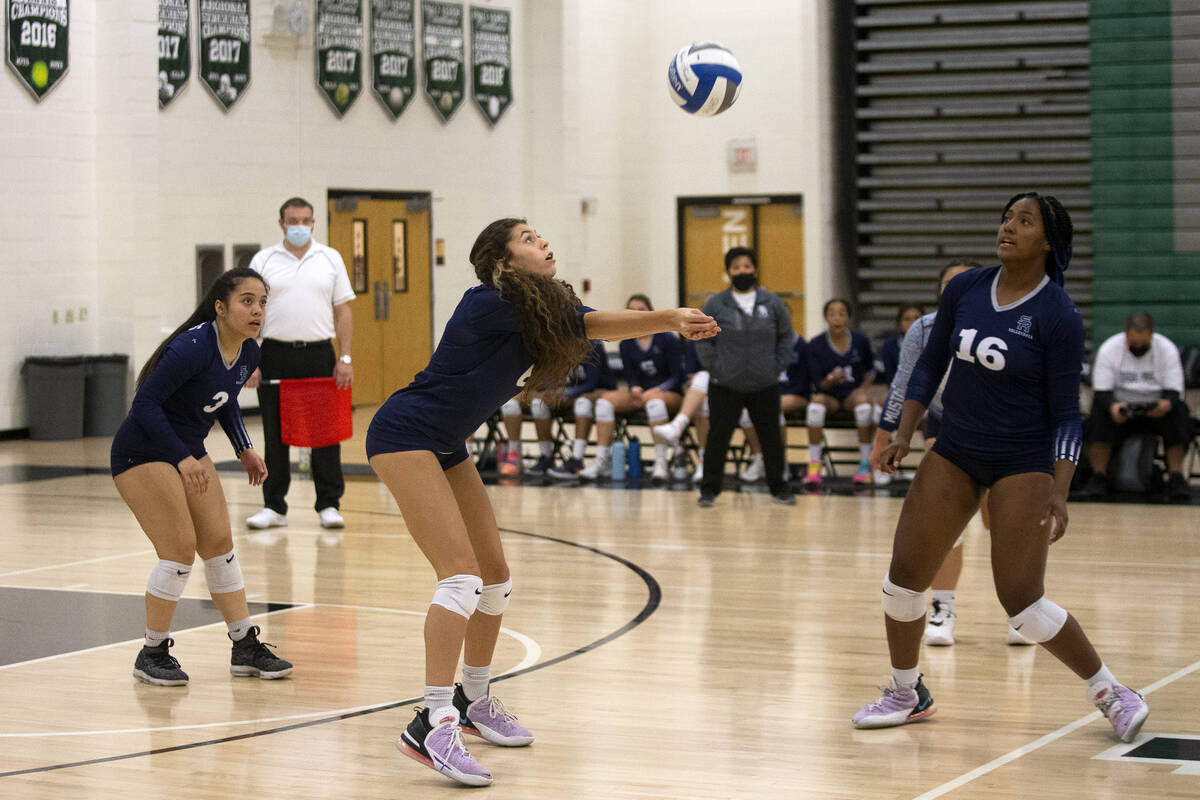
{"type": "Point", "coordinates": [618, 461]}
{"type": "Point", "coordinates": [635, 458]}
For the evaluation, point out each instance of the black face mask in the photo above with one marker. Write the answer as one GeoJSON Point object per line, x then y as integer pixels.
{"type": "Point", "coordinates": [743, 281]}
{"type": "Point", "coordinates": [1140, 351]}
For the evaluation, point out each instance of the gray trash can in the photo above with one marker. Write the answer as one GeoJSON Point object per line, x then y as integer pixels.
{"type": "Point", "coordinates": [104, 401]}
{"type": "Point", "coordinates": [54, 396]}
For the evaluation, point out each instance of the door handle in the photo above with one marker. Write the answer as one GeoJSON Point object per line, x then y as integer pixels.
{"type": "Point", "coordinates": [387, 301]}
{"type": "Point", "coordinates": [380, 299]}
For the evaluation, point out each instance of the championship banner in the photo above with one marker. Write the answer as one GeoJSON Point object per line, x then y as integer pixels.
{"type": "Point", "coordinates": [339, 52]}
{"type": "Point", "coordinates": [225, 48]}
{"type": "Point", "coordinates": [442, 49]}
{"type": "Point", "coordinates": [174, 49]}
{"type": "Point", "coordinates": [37, 42]}
{"type": "Point", "coordinates": [393, 53]}
{"type": "Point", "coordinates": [491, 61]}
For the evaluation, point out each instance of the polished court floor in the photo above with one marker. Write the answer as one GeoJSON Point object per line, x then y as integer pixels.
{"type": "Point", "coordinates": [656, 649]}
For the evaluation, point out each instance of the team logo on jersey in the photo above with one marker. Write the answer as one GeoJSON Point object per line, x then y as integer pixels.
{"type": "Point", "coordinates": [762, 311]}
{"type": "Point", "coordinates": [243, 374]}
{"type": "Point", "coordinates": [1024, 325]}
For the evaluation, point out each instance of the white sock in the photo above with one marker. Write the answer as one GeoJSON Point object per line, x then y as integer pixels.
{"type": "Point", "coordinates": [906, 678]}
{"type": "Point", "coordinates": [680, 422]}
{"type": "Point", "coordinates": [155, 638]}
{"type": "Point", "coordinates": [475, 681]}
{"type": "Point", "coordinates": [814, 452]}
{"type": "Point", "coordinates": [438, 697]}
{"type": "Point", "coordinates": [238, 629]}
{"type": "Point", "coordinates": [864, 451]}
{"type": "Point", "coordinates": [578, 448]}
{"type": "Point", "coordinates": [1100, 681]}
{"type": "Point", "coordinates": [660, 454]}
{"type": "Point", "coordinates": [945, 597]}
{"type": "Point", "coordinates": [545, 449]}
{"type": "Point", "coordinates": [603, 451]}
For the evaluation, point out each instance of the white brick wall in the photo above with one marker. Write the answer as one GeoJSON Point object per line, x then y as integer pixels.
{"type": "Point", "coordinates": [105, 197]}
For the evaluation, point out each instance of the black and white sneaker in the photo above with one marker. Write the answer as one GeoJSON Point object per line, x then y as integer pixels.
{"type": "Point", "coordinates": [435, 740]}
{"type": "Point", "coordinates": [251, 658]}
{"type": "Point", "coordinates": [154, 665]}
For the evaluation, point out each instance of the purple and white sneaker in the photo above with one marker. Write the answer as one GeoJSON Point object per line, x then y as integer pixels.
{"type": "Point", "coordinates": [487, 718]}
{"type": "Point", "coordinates": [896, 707]}
{"type": "Point", "coordinates": [434, 740]}
{"type": "Point", "coordinates": [1125, 709]}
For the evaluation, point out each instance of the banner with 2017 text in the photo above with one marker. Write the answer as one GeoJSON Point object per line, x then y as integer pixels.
{"type": "Point", "coordinates": [339, 52]}
{"type": "Point", "coordinates": [224, 48]}
{"type": "Point", "coordinates": [174, 49]}
{"type": "Point", "coordinates": [393, 53]}
{"type": "Point", "coordinates": [442, 51]}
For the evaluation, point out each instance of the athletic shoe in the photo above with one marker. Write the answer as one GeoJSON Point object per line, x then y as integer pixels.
{"type": "Point", "coordinates": [939, 628]}
{"type": "Point", "coordinates": [331, 518]}
{"type": "Point", "coordinates": [435, 740]}
{"type": "Point", "coordinates": [154, 665]}
{"type": "Point", "coordinates": [813, 478]}
{"type": "Point", "coordinates": [896, 707]}
{"type": "Point", "coordinates": [681, 467]}
{"type": "Point", "coordinates": [568, 471]}
{"type": "Point", "coordinates": [267, 518]}
{"type": "Point", "coordinates": [754, 471]}
{"type": "Point", "coordinates": [251, 658]}
{"type": "Point", "coordinates": [488, 719]}
{"type": "Point", "coordinates": [669, 432]}
{"type": "Point", "coordinates": [698, 475]}
{"type": "Point", "coordinates": [1177, 487]}
{"type": "Point", "coordinates": [706, 500]}
{"type": "Point", "coordinates": [1015, 637]}
{"type": "Point", "coordinates": [660, 472]}
{"type": "Point", "coordinates": [864, 472]}
{"type": "Point", "coordinates": [510, 465]}
{"type": "Point", "coordinates": [784, 498]}
{"type": "Point", "coordinates": [1125, 709]}
{"type": "Point", "coordinates": [541, 466]}
{"type": "Point", "coordinates": [599, 470]}
{"type": "Point", "coordinates": [882, 478]}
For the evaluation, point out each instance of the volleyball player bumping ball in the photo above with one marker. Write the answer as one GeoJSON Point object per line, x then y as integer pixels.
{"type": "Point", "coordinates": [168, 480]}
{"type": "Point", "coordinates": [519, 331]}
{"type": "Point", "coordinates": [1011, 423]}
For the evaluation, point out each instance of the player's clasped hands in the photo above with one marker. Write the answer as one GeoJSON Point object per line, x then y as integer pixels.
{"type": "Point", "coordinates": [692, 323]}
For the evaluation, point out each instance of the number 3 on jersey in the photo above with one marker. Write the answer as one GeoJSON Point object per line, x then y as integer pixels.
{"type": "Point", "coordinates": [219, 399]}
{"type": "Point", "coordinates": [989, 353]}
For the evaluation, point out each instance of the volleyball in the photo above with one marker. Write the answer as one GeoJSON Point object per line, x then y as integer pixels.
{"type": "Point", "coordinates": [704, 78]}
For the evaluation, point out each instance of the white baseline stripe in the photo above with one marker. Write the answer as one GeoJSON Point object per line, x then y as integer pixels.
{"type": "Point", "coordinates": [75, 563]}
{"type": "Point", "coordinates": [1045, 740]}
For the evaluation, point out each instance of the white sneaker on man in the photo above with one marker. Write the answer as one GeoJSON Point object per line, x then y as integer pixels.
{"type": "Point", "coordinates": [660, 472]}
{"type": "Point", "coordinates": [331, 518]}
{"type": "Point", "coordinates": [755, 471]}
{"type": "Point", "coordinates": [267, 518]}
{"type": "Point", "coordinates": [599, 469]}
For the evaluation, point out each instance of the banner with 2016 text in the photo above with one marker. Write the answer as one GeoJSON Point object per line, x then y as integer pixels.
{"type": "Point", "coordinates": [491, 61]}
{"type": "Point", "coordinates": [38, 36]}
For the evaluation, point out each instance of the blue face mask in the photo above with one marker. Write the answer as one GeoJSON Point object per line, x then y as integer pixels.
{"type": "Point", "coordinates": [298, 235]}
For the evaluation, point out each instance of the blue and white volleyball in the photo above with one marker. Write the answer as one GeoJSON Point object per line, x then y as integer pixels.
{"type": "Point", "coordinates": [704, 78]}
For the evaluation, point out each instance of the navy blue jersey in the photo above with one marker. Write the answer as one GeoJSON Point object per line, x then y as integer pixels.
{"type": "Point", "coordinates": [480, 363]}
{"type": "Point", "coordinates": [795, 379]}
{"type": "Point", "coordinates": [889, 358]}
{"type": "Point", "coordinates": [1015, 382]}
{"type": "Point", "coordinates": [856, 363]}
{"type": "Point", "coordinates": [659, 367]}
{"type": "Point", "coordinates": [189, 387]}
{"type": "Point", "coordinates": [691, 361]}
{"type": "Point", "coordinates": [592, 374]}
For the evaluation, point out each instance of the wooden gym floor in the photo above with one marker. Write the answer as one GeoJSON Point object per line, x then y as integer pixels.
{"type": "Point", "coordinates": [656, 649]}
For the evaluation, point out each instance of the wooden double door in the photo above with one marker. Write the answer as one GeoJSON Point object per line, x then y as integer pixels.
{"type": "Point", "coordinates": [385, 241]}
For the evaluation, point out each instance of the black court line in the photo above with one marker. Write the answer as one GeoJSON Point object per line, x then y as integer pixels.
{"type": "Point", "coordinates": [652, 603]}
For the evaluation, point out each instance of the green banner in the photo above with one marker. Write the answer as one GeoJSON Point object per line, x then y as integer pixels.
{"type": "Point", "coordinates": [491, 61]}
{"type": "Point", "coordinates": [225, 48]}
{"type": "Point", "coordinates": [339, 52]}
{"type": "Point", "coordinates": [442, 49]}
{"type": "Point", "coordinates": [37, 43]}
{"type": "Point", "coordinates": [393, 53]}
{"type": "Point", "coordinates": [174, 49]}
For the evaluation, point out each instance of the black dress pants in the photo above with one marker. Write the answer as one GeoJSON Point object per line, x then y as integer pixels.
{"type": "Point", "coordinates": [724, 408]}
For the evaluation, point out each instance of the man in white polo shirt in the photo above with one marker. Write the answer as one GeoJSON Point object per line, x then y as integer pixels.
{"type": "Point", "coordinates": [309, 305]}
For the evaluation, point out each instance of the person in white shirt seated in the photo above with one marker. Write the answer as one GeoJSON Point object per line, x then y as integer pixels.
{"type": "Point", "coordinates": [1138, 383]}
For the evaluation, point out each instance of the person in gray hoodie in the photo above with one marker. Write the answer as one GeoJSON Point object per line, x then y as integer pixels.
{"type": "Point", "coordinates": [745, 361]}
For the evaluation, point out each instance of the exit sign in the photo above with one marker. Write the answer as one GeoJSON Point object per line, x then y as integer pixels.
{"type": "Point", "coordinates": [743, 155]}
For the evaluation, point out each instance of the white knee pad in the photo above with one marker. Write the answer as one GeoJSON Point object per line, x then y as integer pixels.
{"type": "Point", "coordinates": [744, 420]}
{"type": "Point", "coordinates": [656, 410]}
{"type": "Point", "coordinates": [700, 381]}
{"type": "Point", "coordinates": [605, 411]}
{"type": "Point", "coordinates": [511, 409]}
{"type": "Point", "coordinates": [538, 409]}
{"type": "Point", "coordinates": [223, 573]}
{"type": "Point", "coordinates": [168, 579]}
{"type": "Point", "coordinates": [876, 413]}
{"type": "Point", "coordinates": [1041, 621]}
{"type": "Point", "coordinates": [583, 407]}
{"type": "Point", "coordinates": [815, 415]}
{"type": "Point", "coordinates": [902, 605]}
{"type": "Point", "coordinates": [862, 415]}
{"type": "Point", "coordinates": [704, 407]}
{"type": "Point", "coordinates": [459, 593]}
{"type": "Point", "coordinates": [494, 599]}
